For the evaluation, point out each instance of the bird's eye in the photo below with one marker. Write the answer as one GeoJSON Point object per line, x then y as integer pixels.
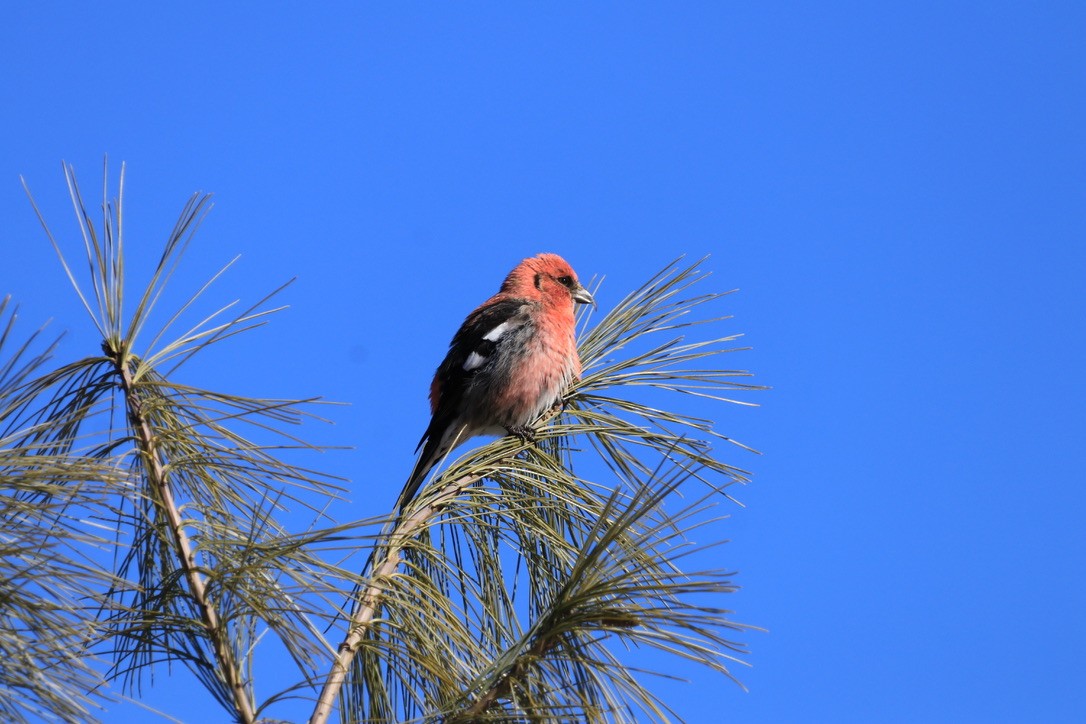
{"type": "Point", "coordinates": [565, 281]}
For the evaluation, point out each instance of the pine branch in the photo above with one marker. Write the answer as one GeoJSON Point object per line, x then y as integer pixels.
{"type": "Point", "coordinates": [202, 567]}
{"type": "Point", "coordinates": [48, 589]}
{"type": "Point", "coordinates": [186, 557]}
{"type": "Point", "coordinates": [441, 628]}
{"type": "Point", "coordinates": [387, 558]}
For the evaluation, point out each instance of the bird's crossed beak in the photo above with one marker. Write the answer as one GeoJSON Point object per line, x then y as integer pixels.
{"type": "Point", "coordinates": [581, 296]}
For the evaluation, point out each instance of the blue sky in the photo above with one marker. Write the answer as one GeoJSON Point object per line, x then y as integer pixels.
{"type": "Point", "coordinates": [898, 191]}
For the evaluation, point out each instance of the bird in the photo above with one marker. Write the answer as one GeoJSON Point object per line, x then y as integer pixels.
{"type": "Point", "coordinates": [512, 359]}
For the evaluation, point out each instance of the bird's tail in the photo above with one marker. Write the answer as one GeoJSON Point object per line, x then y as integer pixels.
{"type": "Point", "coordinates": [422, 468]}
{"type": "Point", "coordinates": [436, 448]}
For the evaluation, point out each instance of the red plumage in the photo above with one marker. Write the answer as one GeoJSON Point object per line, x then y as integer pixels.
{"type": "Point", "coordinates": [511, 359]}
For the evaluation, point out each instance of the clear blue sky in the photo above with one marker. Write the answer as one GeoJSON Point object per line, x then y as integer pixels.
{"type": "Point", "coordinates": [899, 192]}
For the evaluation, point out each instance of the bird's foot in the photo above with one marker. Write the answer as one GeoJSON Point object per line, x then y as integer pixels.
{"type": "Point", "coordinates": [524, 432]}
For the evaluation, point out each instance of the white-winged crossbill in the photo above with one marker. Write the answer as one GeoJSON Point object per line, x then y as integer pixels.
{"type": "Point", "coordinates": [512, 359]}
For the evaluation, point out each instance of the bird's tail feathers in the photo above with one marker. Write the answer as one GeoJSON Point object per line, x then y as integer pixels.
{"type": "Point", "coordinates": [433, 452]}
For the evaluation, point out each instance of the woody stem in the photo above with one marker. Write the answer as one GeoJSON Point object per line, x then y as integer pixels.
{"type": "Point", "coordinates": [186, 556]}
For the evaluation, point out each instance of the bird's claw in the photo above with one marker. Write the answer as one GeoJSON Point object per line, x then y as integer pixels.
{"type": "Point", "coordinates": [524, 432]}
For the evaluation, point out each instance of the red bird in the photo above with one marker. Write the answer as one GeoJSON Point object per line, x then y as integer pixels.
{"type": "Point", "coordinates": [512, 358]}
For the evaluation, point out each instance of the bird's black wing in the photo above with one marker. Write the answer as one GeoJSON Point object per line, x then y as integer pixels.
{"type": "Point", "coordinates": [472, 347]}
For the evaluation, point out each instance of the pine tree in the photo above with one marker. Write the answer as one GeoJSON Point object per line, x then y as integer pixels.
{"type": "Point", "coordinates": [148, 521]}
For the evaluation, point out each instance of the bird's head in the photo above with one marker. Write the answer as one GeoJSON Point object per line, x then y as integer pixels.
{"type": "Point", "coordinates": [549, 276]}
